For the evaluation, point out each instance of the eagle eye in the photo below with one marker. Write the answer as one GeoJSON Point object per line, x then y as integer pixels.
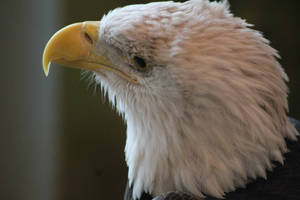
{"type": "Point", "coordinates": [139, 63]}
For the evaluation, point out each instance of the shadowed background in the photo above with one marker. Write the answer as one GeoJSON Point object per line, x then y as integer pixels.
{"type": "Point", "coordinates": [59, 137]}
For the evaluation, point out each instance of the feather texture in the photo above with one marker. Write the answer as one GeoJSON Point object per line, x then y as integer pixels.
{"type": "Point", "coordinates": [283, 182]}
{"type": "Point", "coordinates": [210, 115]}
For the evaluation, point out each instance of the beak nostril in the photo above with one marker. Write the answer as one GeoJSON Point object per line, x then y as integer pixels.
{"type": "Point", "coordinates": [88, 38]}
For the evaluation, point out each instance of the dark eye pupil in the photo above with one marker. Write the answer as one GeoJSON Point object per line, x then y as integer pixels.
{"type": "Point", "coordinates": [140, 61]}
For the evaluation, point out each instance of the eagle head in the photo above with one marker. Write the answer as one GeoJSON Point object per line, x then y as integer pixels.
{"type": "Point", "coordinates": [203, 94]}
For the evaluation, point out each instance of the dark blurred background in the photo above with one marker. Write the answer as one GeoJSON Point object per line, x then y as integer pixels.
{"type": "Point", "coordinates": [58, 139]}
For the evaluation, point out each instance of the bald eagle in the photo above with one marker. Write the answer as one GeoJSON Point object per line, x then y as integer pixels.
{"type": "Point", "coordinates": [203, 95]}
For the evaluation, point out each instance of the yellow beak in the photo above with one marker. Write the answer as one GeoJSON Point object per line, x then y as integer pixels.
{"type": "Point", "coordinates": [73, 46]}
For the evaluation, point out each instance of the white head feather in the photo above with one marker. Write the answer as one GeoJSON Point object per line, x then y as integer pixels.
{"type": "Point", "coordinates": [211, 112]}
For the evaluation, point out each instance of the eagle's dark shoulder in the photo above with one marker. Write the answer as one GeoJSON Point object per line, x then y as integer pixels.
{"type": "Point", "coordinates": [283, 182]}
{"type": "Point", "coordinates": [128, 194]}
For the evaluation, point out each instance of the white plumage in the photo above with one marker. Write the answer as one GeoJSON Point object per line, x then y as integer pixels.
{"type": "Point", "coordinates": [203, 94]}
{"type": "Point", "coordinates": [211, 113]}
